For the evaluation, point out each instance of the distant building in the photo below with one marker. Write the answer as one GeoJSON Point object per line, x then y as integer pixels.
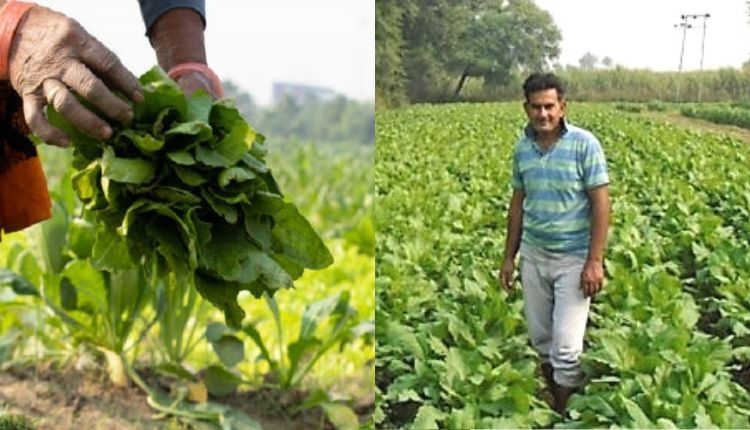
{"type": "Point", "coordinates": [301, 92]}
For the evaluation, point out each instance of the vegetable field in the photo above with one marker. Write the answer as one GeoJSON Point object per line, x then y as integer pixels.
{"type": "Point", "coordinates": [173, 275]}
{"type": "Point", "coordinates": [668, 343]}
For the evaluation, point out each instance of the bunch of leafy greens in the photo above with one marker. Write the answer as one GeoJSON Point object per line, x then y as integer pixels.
{"type": "Point", "coordinates": [184, 189]}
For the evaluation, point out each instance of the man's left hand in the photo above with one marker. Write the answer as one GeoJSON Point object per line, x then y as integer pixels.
{"type": "Point", "coordinates": [592, 278]}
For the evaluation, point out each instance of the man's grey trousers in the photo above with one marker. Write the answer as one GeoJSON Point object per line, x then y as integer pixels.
{"type": "Point", "coordinates": [556, 309]}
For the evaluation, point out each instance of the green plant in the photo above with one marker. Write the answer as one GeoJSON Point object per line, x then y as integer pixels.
{"type": "Point", "coordinates": [184, 189]}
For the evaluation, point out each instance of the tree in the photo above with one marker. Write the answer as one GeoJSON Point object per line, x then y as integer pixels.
{"type": "Point", "coordinates": [431, 35]}
{"type": "Point", "coordinates": [588, 61]}
{"type": "Point", "coordinates": [422, 46]}
{"type": "Point", "coordinates": [389, 46]}
{"type": "Point", "coordinates": [502, 37]}
{"type": "Point", "coordinates": [607, 62]}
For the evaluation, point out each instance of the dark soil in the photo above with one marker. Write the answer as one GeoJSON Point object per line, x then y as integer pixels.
{"type": "Point", "coordinates": [742, 376]}
{"type": "Point", "coordinates": [402, 413]}
{"type": "Point", "coordinates": [66, 399]}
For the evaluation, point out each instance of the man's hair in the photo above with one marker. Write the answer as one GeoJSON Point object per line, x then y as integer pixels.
{"type": "Point", "coordinates": [543, 81]}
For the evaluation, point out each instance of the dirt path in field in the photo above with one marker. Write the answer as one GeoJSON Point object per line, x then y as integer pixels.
{"type": "Point", "coordinates": [678, 119]}
{"type": "Point", "coordinates": [72, 400]}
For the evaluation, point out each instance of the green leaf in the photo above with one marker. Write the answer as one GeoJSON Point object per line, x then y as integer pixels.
{"type": "Point", "coordinates": [639, 418]}
{"type": "Point", "coordinates": [223, 295]}
{"type": "Point", "coordinates": [664, 423]}
{"type": "Point", "coordinates": [224, 115]}
{"type": "Point", "coordinates": [341, 416]}
{"type": "Point", "coordinates": [230, 350]}
{"type": "Point", "coordinates": [128, 293]}
{"type": "Point", "coordinates": [294, 270]}
{"type": "Point", "coordinates": [220, 382]}
{"type": "Point", "coordinates": [48, 240]}
{"type": "Point", "coordinates": [110, 251]}
{"type": "Point", "coordinates": [237, 143]}
{"type": "Point", "coordinates": [175, 195]}
{"type": "Point", "coordinates": [143, 141]}
{"type": "Point", "coordinates": [160, 92]}
{"type": "Point", "coordinates": [254, 163]}
{"type": "Point", "coordinates": [197, 131]}
{"type": "Point", "coordinates": [86, 182]}
{"type": "Point", "coordinates": [267, 203]}
{"type": "Point", "coordinates": [428, 417]}
{"type": "Point", "coordinates": [127, 170]}
{"type": "Point", "coordinates": [216, 331]}
{"type": "Point", "coordinates": [258, 228]}
{"type": "Point", "coordinates": [189, 177]}
{"type": "Point", "coordinates": [254, 334]}
{"type": "Point", "coordinates": [68, 297]}
{"type": "Point", "coordinates": [114, 193]}
{"type": "Point", "coordinates": [272, 274]}
{"type": "Point", "coordinates": [299, 241]}
{"type": "Point", "coordinates": [236, 420]}
{"type": "Point", "coordinates": [174, 369]}
{"type": "Point", "coordinates": [221, 208]}
{"type": "Point", "coordinates": [164, 120]}
{"type": "Point", "coordinates": [181, 157]}
{"type": "Point", "coordinates": [210, 157]}
{"type": "Point", "coordinates": [300, 352]}
{"type": "Point", "coordinates": [17, 283]}
{"type": "Point", "coordinates": [91, 296]}
{"type": "Point", "coordinates": [403, 336]}
{"type": "Point", "coordinates": [199, 107]}
{"type": "Point", "coordinates": [235, 174]}
{"type": "Point", "coordinates": [462, 418]}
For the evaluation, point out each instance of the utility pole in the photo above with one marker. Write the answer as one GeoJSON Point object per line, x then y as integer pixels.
{"type": "Point", "coordinates": [684, 26]}
{"type": "Point", "coordinates": [705, 17]}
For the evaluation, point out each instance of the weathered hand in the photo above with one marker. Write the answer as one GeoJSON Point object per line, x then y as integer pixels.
{"type": "Point", "coordinates": [51, 55]}
{"type": "Point", "coordinates": [192, 81]}
{"type": "Point", "coordinates": [592, 278]}
{"type": "Point", "coordinates": [506, 273]}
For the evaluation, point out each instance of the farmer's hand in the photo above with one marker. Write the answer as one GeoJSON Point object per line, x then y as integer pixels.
{"type": "Point", "coordinates": [177, 38]}
{"type": "Point", "coordinates": [592, 278]}
{"type": "Point", "coordinates": [193, 81]}
{"type": "Point", "coordinates": [506, 273]}
{"type": "Point", "coordinates": [51, 56]}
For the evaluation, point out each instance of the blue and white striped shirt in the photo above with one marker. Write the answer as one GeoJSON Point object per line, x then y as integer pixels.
{"type": "Point", "coordinates": [557, 210]}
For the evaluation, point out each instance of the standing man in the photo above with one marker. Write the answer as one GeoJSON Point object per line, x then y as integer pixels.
{"type": "Point", "coordinates": [558, 219]}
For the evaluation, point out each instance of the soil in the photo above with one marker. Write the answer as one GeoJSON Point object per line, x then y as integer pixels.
{"type": "Point", "coordinates": [66, 399]}
{"type": "Point", "coordinates": [742, 376]}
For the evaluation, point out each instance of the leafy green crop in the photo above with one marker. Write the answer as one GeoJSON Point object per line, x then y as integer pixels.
{"type": "Point", "coordinates": [185, 189]}
{"type": "Point", "coordinates": [670, 331]}
{"type": "Point", "coordinates": [719, 114]}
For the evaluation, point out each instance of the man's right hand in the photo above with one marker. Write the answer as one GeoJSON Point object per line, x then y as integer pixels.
{"type": "Point", "coordinates": [507, 272]}
{"type": "Point", "coordinates": [51, 55]}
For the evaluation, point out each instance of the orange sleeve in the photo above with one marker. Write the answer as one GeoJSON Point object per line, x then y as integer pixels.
{"type": "Point", "coordinates": [24, 199]}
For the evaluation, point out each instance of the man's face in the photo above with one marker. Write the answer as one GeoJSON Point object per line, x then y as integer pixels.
{"type": "Point", "coordinates": [544, 109]}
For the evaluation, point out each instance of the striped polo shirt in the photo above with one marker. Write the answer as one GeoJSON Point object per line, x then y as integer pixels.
{"type": "Point", "coordinates": [556, 208]}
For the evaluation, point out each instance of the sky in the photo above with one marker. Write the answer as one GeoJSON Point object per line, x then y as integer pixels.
{"type": "Point", "coordinates": [327, 43]}
{"type": "Point", "coordinates": [641, 33]}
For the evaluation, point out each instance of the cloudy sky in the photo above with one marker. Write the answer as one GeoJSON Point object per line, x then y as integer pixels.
{"type": "Point", "coordinates": [641, 33]}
